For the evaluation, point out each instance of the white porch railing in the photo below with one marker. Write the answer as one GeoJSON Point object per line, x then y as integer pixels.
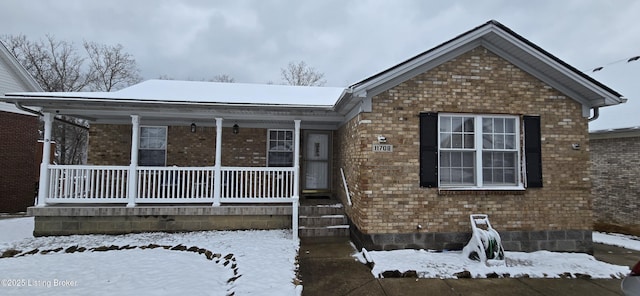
{"type": "Point", "coordinates": [87, 184]}
{"type": "Point", "coordinates": [256, 184]}
{"type": "Point", "coordinates": [175, 184]}
{"type": "Point", "coordinates": [109, 184]}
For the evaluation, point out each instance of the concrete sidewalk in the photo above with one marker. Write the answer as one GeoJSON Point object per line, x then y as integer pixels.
{"type": "Point", "coordinates": [327, 268]}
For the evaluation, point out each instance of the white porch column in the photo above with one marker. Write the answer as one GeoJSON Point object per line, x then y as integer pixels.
{"type": "Point", "coordinates": [296, 179]}
{"type": "Point", "coordinates": [132, 194]}
{"type": "Point", "coordinates": [217, 176]}
{"type": "Point", "coordinates": [43, 186]}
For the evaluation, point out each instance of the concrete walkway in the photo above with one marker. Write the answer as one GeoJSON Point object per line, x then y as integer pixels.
{"type": "Point", "coordinates": [327, 268]}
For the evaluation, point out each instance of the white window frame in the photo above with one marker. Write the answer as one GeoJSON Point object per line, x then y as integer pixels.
{"type": "Point", "coordinates": [269, 144]}
{"type": "Point", "coordinates": [478, 149]}
{"type": "Point", "coordinates": [166, 139]}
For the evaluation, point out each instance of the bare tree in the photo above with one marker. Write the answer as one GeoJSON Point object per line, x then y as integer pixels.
{"type": "Point", "coordinates": [111, 68]}
{"type": "Point", "coordinates": [217, 78]}
{"type": "Point", "coordinates": [301, 74]}
{"type": "Point", "coordinates": [55, 65]}
{"type": "Point", "coordinates": [58, 66]}
{"type": "Point", "coordinates": [222, 78]}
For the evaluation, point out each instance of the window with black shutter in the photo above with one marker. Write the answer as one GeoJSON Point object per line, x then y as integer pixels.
{"type": "Point", "coordinates": [428, 149]}
{"type": "Point", "coordinates": [533, 151]}
{"type": "Point", "coordinates": [477, 151]}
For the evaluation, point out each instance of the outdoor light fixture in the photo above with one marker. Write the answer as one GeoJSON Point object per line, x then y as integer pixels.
{"type": "Point", "coordinates": [236, 129]}
{"type": "Point", "coordinates": [193, 127]}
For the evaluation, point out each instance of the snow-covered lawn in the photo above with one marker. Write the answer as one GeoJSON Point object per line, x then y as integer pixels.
{"type": "Point", "coordinates": [222, 263]}
{"type": "Point", "coordinates": [620, 240]}
{"type": "Point", "coordinates": [541, 264]}
{"type": "Point", "coordinates": [227, 262]}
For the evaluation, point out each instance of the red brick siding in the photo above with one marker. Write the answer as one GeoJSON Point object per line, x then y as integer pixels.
{"type": "Point", "coordinates": [18, 164]}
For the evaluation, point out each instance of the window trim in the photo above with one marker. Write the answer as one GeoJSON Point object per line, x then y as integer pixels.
{"type": "Point", "coordinates": [478, 149]}
{"type": "Point", "coordinates": [166, 139]}
{"type": "Point", "coordinates": [269, 142]}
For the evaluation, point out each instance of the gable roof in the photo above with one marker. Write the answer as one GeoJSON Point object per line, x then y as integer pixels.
{"type": "Point", "coordinates": [507, 44]}
{"type": "Point", "coordinates": [14, 77]}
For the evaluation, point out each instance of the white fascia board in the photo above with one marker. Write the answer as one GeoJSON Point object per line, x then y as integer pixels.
{"type": "Point", "coordinates": [609, 98]}
{"type": "Point", "coordinates": [83, 99]}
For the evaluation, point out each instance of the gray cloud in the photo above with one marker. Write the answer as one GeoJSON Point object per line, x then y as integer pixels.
{"type": "Point", "coordinates": [347, 40]}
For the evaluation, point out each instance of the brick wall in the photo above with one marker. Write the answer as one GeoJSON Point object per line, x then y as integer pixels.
{"type": "Point", "coordinates": [18, 164]}
{"type": "Point", "coordinates": [385, 186]}
{"type": "Point", "coordinates": [616, 183]}
{"type": "Point", "coordinates": [111, 145]}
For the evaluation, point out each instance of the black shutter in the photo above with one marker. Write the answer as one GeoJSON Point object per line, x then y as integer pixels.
{"type": "Point", "coordinates": [532, 151]}
{"type": "Point", "coordinates": [428, 149]}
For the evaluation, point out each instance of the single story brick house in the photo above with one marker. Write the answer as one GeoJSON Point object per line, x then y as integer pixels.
{"type": "Point", "coordinates": [615, 172]}
{"type": "Point", "coordinates": [487, 122]}
{"type": "Point", "coordinates": [18, 139]}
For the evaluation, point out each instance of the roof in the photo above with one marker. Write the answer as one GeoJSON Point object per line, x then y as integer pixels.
{"type": "Point", "coordinates": [174, 91]}
{"type": "Point", "coordinates": [14, 77]}
{"type": "Point", "coordinates": [627, 132]}
{"type": "Point", "coordinates": [509, 45]}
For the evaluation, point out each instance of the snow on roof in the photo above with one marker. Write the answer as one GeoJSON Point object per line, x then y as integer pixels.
{"type": "Point", "coordinates": [212, 92]}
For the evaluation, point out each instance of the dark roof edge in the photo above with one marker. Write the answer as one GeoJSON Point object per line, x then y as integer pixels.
{"type": "Point", "coordinates": [510, 32]}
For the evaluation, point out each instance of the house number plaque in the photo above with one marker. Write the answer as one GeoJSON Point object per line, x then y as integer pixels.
{"type": "Point", "coordinates": [382, 148]}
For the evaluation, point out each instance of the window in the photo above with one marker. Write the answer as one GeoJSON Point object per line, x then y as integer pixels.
{"type": "Point", "coordinates": [280, 148]}
{"type": "Point", "coordinates": [153, 146]}
{"type": "Point", "coordinates": [478, 151]}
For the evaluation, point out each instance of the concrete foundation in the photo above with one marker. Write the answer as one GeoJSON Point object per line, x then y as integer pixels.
{"type": "Point", "coordinates": [120, 220]}
{"type": "Point", "coordinates": [524, 241]}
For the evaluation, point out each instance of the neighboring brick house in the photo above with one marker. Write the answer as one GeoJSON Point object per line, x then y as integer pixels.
{"type": "Point", "coordinates": [615, 173]}
{"type": "Point", "coordinates": [487, 122]}
{"type": "Point", "coordinates": [18, 139]}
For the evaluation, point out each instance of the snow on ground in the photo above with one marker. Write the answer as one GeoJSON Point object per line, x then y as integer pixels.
{"type": "Point", "coordinates": [264, 260]}
{"type": "Point", "coordinates": [620, 240]}
{"type": "Point", "coordinates": [15, 229]}
{"type": "Point", "coordinates": [541, 264]}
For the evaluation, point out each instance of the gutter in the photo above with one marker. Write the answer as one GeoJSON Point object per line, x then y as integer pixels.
{"type": "Point", "coordinates": [25, 109]}
{"type": "Point", "coordinates": [596, 114]}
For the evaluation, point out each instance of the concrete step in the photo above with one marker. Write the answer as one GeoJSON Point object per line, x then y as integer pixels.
{"type": "Point", "coordinates": [321, 210]}
{"type": "Point", "coordinates": [323, 221]}
{"type": "Point", "coordinates": [333, 231]}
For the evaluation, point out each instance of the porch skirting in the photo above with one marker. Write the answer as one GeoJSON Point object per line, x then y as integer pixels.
{"type": "Point", "coordinates": [66, 220]}
{"type": "Point", "coordinates": [523, 241]}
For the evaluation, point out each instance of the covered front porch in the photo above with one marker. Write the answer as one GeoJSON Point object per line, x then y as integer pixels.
{"type": "Point", "coordinates": [185, 190]}
{"type": "Point", "coordinates": [78, 199]}
{"type": "Point", "coordinates": [135, 184]}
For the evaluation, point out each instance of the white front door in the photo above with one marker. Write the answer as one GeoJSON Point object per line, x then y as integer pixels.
{"type": "Point", "coordinates": [317, 161]}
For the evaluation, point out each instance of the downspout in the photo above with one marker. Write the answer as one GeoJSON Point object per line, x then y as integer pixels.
{"type": "Point", "coordinates": [25, 109]}
{"type": "Point", "coordinates": [596, 114]}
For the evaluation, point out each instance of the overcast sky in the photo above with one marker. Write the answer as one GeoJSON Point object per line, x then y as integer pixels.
{"type": "Point", "coordinates": [346, 40]}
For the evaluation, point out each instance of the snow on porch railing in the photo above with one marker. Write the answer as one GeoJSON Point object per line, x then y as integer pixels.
{"type": "Point", "coordinates": [257, 184]}
{"type": "Point", "coordinates": [175, 184]}
{"type": "Point", "coordinates": [87, 184]}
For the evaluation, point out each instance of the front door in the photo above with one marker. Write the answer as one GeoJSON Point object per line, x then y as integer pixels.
{"type": "Point", "coordinates": [316, 162]}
